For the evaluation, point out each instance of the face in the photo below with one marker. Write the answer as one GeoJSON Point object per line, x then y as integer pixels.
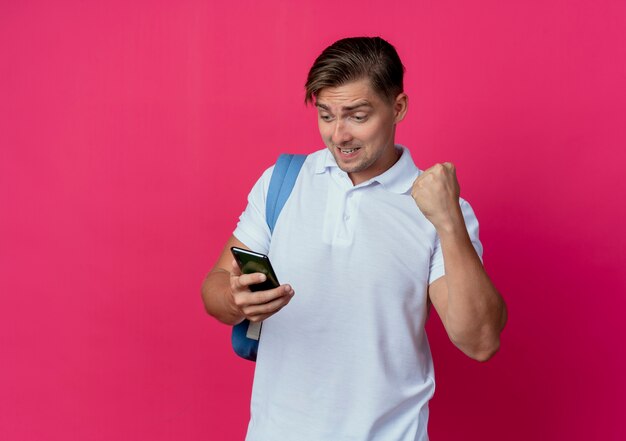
{"type": "Point", "coordinates": [358, 127]}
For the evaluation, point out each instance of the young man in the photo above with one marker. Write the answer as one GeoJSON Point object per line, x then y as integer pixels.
{"type": "Point", "coordinates": [363, 239]}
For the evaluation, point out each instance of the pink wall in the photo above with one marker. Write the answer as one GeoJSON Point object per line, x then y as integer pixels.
{"type": "Point", "coordinates": [130, 135]}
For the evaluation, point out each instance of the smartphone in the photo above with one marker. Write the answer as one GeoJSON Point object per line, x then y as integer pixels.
{"type": "Point", "coordinates": [251, 262]}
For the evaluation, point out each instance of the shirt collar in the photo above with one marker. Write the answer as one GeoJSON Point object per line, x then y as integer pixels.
{"type": "Point", "coordinates": [325, 162]}
{"type": "Point", "coordinates": [398, 179]}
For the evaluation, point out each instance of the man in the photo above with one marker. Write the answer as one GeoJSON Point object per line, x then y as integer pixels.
{"type": "Point", "coordinates": [363, 239]}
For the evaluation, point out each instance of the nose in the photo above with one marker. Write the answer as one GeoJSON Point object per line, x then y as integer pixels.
{"type": "Point", "coordinates": [341, 134]}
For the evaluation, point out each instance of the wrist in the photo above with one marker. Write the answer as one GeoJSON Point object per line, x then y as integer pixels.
{"type": "Point", "coordinates": [451, 225]}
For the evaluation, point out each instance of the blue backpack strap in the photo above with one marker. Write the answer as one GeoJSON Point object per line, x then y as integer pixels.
{"type": "Point", "coordinates": [245, 336]}
{"type": "Point", "coordinates": [283, 179]}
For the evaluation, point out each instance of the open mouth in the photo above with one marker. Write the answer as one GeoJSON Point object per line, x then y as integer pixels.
{"type": "Point", "coordinates": [348, 151]}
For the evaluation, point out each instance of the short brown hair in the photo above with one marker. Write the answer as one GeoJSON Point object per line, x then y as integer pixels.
{"type": "Point", "coordinates": [355, 58]}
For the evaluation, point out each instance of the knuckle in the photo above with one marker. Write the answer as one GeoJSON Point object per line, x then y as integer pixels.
{"type": "Point", "coordinates": [235, 280]}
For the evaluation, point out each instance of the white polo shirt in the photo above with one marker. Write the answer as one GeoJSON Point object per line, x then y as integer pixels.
{"type": "Point", "coordinates": [348, 357]}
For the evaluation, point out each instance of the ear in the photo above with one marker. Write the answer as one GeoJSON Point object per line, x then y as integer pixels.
{"type": "Point", "coordinates": [400, 107]}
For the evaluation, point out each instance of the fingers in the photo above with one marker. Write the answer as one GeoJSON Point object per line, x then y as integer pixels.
{"type": "Point", "coordinates": [439, 168]}
{"type": "Point", "coordinates": [240, 281]}
{"type": "Point", "coordinates": [256, 306]}
{"type": "Point", "coordinates": [259, 305]}
{"type": "Point", "coordinates": [243, 282]}
{"type": "Point", "coordinates": [260, 312]}
{"type": "Point", "coordinates": [450, 168]}
{"type": "Point", "coordinates": [245, 299]}
{"type": "Point", "coordinates": [441, 171]}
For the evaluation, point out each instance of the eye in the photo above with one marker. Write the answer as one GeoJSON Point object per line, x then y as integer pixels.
{"type": "Point", "coordinates": [326, 117]}
{"type": "Point", "coordinates": [359, 117]}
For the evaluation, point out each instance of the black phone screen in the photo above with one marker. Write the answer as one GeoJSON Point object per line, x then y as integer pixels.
{"type": "Point", "coordinates": [250, 262]}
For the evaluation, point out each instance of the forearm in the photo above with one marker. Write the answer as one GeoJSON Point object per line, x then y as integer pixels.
{"type": "Point", "coordinates": [217, 297]}
{"type": "Point", "coordinates": [475, 313]}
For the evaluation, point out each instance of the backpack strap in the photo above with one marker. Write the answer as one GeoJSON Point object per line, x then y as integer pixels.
{"type": "Point", "coordinates": [283, 179]}
{"type": "Point", "coordinates": [245, 336]}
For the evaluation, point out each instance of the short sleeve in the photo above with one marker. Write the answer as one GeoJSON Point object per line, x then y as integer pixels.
{"type": "Point", "coordinates": [437, 268]}
{"type": "Point", "coordinates": [252, 229]}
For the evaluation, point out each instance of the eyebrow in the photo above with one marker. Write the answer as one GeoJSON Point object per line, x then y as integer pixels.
{"type": "Point", "coordinates": [363, 103]}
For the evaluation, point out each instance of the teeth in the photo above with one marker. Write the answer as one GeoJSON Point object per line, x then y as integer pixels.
{"type": "Point", "coordinates": [348, 150]}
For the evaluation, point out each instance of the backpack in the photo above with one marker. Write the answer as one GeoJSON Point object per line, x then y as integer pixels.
{"type": "Point", "coordinates": [245, 336]}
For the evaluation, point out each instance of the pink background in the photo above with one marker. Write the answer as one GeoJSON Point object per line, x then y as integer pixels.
{"type": "Point", "coordinates": [131, 132]}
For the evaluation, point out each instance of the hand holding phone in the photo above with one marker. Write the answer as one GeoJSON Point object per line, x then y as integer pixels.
{"type": "Point", "coordinates": [250, 262]}
{"type": "Point", "coordinates": [257, 308]}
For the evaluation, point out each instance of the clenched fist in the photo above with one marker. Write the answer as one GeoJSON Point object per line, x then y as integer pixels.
{"type": "Point", "coordinates": [436, 192]}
